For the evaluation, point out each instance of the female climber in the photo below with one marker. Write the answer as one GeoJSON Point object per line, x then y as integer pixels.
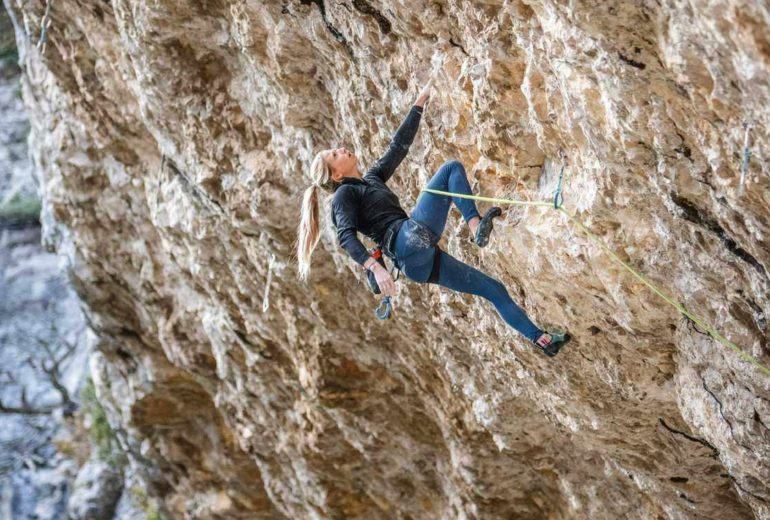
{"type": "Point", "coordinates": [365, 203]}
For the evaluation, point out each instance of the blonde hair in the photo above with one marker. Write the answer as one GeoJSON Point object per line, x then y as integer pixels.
{"type": "Point", "coordinates": [308, 231]}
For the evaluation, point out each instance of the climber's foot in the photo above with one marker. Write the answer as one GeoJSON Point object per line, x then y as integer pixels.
{"type": "Point", "coordinates": [551, 342]}
{"type": "Point", "coordinates": [486, 225]}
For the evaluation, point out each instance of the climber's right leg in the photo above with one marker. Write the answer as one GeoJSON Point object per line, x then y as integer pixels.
{"type": "Point", "coordinates": [462, 277]}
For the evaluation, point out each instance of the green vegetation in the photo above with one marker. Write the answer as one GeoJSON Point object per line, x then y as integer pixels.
{"type": "Point", "coordinates": [146, 503]}
{"type": "Point", "coordinates": [21, 209]}
{"type": "Point", "coordinates": [102, 436]}
{"type": "Point", "coordinates": [154, 515]}
{"type": "Point", "coordinates": [103, 439]}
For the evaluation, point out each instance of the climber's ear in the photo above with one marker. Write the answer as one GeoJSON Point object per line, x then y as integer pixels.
{"type": "Point", "coordinates": [327, 156]}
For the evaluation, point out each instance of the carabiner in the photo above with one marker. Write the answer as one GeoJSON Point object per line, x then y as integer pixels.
{"type": "Point", "coordinates": [384, 313]}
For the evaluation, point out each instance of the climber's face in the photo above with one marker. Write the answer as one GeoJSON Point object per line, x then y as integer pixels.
{"type": "Point", "coordinates": [342, 162]}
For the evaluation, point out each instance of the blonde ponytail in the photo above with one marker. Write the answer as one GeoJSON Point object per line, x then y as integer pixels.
{"type": "Point", "coordinates": [308, 231]}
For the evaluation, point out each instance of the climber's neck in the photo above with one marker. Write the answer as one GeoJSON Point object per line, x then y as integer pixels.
{"type": "Point", "coordinates": [355, 174]}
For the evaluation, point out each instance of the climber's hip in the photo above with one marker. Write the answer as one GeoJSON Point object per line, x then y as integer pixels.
{"type": "Point", "coordinates": [414, 250]}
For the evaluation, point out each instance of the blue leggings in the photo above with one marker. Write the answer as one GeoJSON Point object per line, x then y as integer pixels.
{"type": "Point", "coordinates": [416, 245]}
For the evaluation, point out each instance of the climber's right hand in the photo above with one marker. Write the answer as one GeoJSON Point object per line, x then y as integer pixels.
{"type": "Point", "coordinates": [384, 280]}
{"type": "Point", "coordinates": [424, 94]}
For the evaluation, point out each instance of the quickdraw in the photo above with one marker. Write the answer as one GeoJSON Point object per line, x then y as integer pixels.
{"type": "Point", "coordinates": [385, 308]}
{"type": "Point", "coordinates": [45, 23]}
{"type": "Point", "coordinates": [746, 158]}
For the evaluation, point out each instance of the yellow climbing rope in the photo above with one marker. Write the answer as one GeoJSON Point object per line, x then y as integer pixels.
{"type": "Point", "coordinates": [699, 321]}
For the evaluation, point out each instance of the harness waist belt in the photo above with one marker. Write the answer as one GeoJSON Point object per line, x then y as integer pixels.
{"type": "Point", "coordinates": [389, 239]}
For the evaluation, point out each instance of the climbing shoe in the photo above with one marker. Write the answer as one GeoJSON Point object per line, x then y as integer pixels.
{"type": "Point", "coordinates": [558, 340]}
{"type": "Point", "coordinates": [485, 226]}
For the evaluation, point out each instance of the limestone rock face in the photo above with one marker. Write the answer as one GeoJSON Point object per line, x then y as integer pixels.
{"type": "Point", "coordinates": [176, 137]}
{"type": "Point", "coordinates": [97, 489]}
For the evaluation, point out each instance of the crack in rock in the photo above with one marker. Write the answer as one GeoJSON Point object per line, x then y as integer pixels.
{"type": "Point", "coordinates": [693, 214]}
{"type": "Point", "coordinates": [715, 451]}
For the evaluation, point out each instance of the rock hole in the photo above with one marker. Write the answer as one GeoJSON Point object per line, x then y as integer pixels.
{"type": "Point", "coordinates": [455, 44]}
{"type": "Point", "coordinates": [638, 64]}
{"type": "Point", "coordinates": [364, 7]}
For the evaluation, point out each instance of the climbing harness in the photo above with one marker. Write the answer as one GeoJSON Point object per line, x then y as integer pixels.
{"type": "Point", "coordinates": [385, 308]}
{"type": "Point", "coordinates": [679, 307]}
{"type": "Point", "coordinates": [746, 157]}
{"type": "Point", "coordinates": [435, 270]}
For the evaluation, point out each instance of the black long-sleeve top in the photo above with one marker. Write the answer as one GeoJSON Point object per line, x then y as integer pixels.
{"type": "Point", "coordinates": [367, 204]}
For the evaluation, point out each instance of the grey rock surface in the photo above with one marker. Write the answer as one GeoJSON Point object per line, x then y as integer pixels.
{"type": "Point", "coordinates": [95, 492]}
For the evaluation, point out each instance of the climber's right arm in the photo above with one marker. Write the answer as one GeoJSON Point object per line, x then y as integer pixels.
{"type": "Point", "coordinates": [399, 145]}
